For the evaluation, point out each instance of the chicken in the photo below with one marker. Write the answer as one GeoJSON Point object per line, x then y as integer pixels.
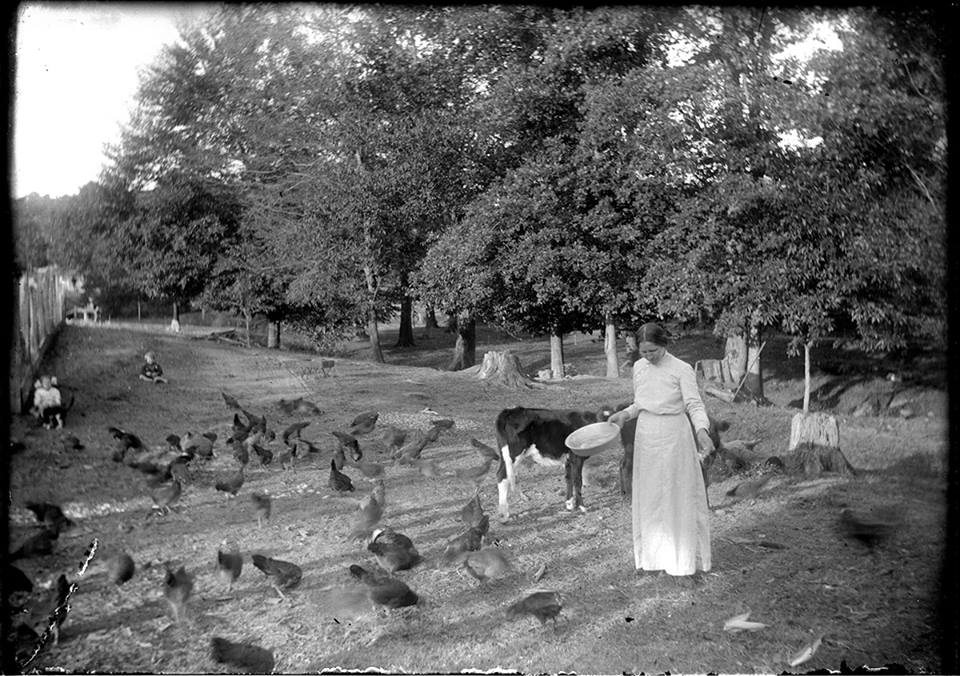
{"type": "Point", "coordinates": [265, 454]}
{"type": "Point", "coordinates": [432, 434]}
{"type": "Point", "coordinates": [38, 544]}
{"type": "Point", "coordinates": [173, 443]}
{"type": "Point", "coordinates": [125, 442]}
{"type": "Point", "coordinates": [71, 443]}
{"type": "Point", "coordinates": [416, 442]}
{"type": "Point", "coordinates": [177, 589]}
{"type": "Point", "coordinates": [369, 514]}
{"type": "Point", "coordinates": [229, 565]}
{"type": "Point", "coordinates": [242, 656]}
{"type": "Point", "coordinates": [393, 551]}
{"type": "Point", "coordinates": [385, 590]}
{"type": "Point", "coordinates": [263, 505]}
{"type": "Point", "coordinates": [543, 605]}
{"type": "Point", "coordinates": [180, 470]}
{"type": "Point", "coordinates": [348, 442]}
{"type": "Point", "coordinates": [474, 474]}
{"type": "Point", "coordinates": [121, 569]}
{"type": "Point", "coordinates": [255, 422]}
{"type": "Point", "coordinates": [393, 437]}
{"type": "Point", "coordinates": [339, 481]}
{"type": "Point", "coordinates": [240, 452]}
{"type": "Point", "coordinates": [487, 564]}
{"type": "Point", "coordinates": [371, 470]}
{"type": "Point", "coordinates": [201, 446]}
{"type": "Point", "coordinates": [364, 423]}
{"type": "Point", "coordinates": [472, 512]}
{"type": "Point", "coordinates": [484, 450]}
{"type": "Point", "coordinates": [443, 424]}
{"type": "Point", "coordinates": [239, 431]}
{"type": "Point", "coordinates": [231, 485]}
{"type": "Point", "coordinates": [285, 457]}
{"type": "Point", "coordinates": [165, 495]}
{"type": "Point", "coordinates": [230, 401]}
{"type": "Point", "coordinates": [51, 515]}
{"type": "Point", "coordinates": [379, 493]}
{"type": "Point", "coordinates": [293, 432]}
{"type": "Point", "coordinates": [470, 540]}
{"type": "Point", "coordinates": [339, 459]}
{"type": "Point", "coordinates": [871, 527]}
{"type": "Point", "coordinates": [750, 488]}
{"type": "Point", "coordinates": [283, 574]}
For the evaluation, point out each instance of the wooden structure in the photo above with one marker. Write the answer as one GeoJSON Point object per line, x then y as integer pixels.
{"type": "Point", "coordinates": [88, 312]}
{"type": "Point", "coordinates": [38, 315]}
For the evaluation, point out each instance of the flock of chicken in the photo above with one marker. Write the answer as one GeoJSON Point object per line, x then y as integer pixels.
{"type": "Point", "coordinates": [175, 466]}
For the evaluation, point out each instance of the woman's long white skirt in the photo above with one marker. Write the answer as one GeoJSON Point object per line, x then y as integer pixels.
{"type": "Point", "coordinates": [671, 520]}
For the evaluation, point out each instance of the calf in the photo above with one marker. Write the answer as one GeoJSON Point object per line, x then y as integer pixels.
{"type": "Point", "coordinates": [628, 433]}
{"type": "Point", "coordinates": [540, 434]}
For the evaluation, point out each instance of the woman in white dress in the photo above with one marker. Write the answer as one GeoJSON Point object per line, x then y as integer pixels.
{"type": "Point", "coordinates": [671, 526]}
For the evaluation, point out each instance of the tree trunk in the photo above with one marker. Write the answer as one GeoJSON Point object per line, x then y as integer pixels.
{"type": "Point", "coordinates": [753, 382]}
{"type": "Point", "coordinates": [138, 309]}
{"type": "Point", "coordinates": [430, 318]}
{"type": "Point", "coordinates": [451, 323]}
{"type": "Point", "coordinates": [806, 378]}
{"type": "Point", "coordinates": [246, 319]}
{"type": "Point", "coordinates": [819, 429]}
{"type": "Point", "coordinates": [633, 352]}
{"type": "Point", "coordinates": [556, 355]}
{"type": "Point", "coordinates": [504, 367]}
{"type": "Point", "coordinates": [273, 334]}
{"type": "Point", "coordinates": [405, 336]}
{"type": "Point", "coordinates": [735, 359]}
{"type": "Point", "coordinates": [373, 330]}
{"type": "Point", "coordinates": [465, 350]}
{"type": "Point", "coordinates": [610, 349]}
{"type": "Point", "coordinates": [176, 311]}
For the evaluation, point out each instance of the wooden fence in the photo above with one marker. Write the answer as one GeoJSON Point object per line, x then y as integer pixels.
{"type": "Point", "coordinates": [38, 315]}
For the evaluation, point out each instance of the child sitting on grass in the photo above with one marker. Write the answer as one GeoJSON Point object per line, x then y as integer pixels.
{"type": "Point", "coordinates": [47, 403]}
{"type": "Point", "coordinates": [151, 371]}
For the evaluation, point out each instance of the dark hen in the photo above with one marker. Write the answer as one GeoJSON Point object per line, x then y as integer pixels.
{"type": "Point", "coordinates": [242, 656]}
{"type": "Point", "coordinates": [51, 515]}
{"type": "Point", "coordinates": [393, 551]}
{"type": "Point", "coordinates": [263, 506]}
{"type": "Point", "coordinates": [265, 454]}
{"type": "Point", "coordinates": [293, 432]}
{"type": "Point", "coordinates": [364, 423]}
{"type": "Point", "coordinates": [177, 589]}
{"type": "Point", "coordinates": [871, 527]}
{"type": "Point", "coordinates": [38, 544]}
{"type": "Point", "coordinates": [165, 495]}
{"type": "Point", "coordinates": [486, 564]}
{"type": "Point", "coordinates": [348, 442]}
{"type": "Point", "coordinates": [470, 540]}
{"type": "Point", "coordinates": [339, 481]}
{"type": "Point", "coordinates": [121, 569]}
{"type": "Point", "coordinates": [240, 452]}
{"type": "Point", "coordinates": [232, 484]}
{"type": "Point", "coordinates": [385, 590]}
{"type": "Point", "coordinates": [543, 605]}
{"type": "Point", "coordinates": [472, 512]}
{"type": "Point", "coordinates": [229, 566]}
{"type": "Point", "coordinates": [230, 401]}
{"type": "Point", "coordinates": [283, 574]}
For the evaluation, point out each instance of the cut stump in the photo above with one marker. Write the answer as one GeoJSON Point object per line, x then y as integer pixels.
{"type": "Point", "coordinates": [504, 368]}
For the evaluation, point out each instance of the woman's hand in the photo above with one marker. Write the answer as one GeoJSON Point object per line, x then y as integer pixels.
{"type": "Point", "coordinates": [619, 418]}
{"type": "Point", "coordinates": [705, 443]}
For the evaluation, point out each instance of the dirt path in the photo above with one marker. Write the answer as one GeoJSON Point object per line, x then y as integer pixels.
{"type": "Point", "coordinates": [873, 607]}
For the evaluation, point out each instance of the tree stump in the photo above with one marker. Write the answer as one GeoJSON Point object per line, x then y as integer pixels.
{"type": "Point", "coordinates": [815, 443]}
{"type": "Point", "coordinates": [504, 367]}
{"type": "Point", "coordinates": [814, 428]}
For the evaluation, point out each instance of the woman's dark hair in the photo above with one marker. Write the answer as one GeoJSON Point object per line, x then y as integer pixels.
{"type": "Point", "coordinates": [653, 333]}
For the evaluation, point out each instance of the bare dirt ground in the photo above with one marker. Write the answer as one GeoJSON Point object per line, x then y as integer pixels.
{"type": "Point", "coordinates": [779, 555]}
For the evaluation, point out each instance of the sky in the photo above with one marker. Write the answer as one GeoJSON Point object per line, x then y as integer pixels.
{"type": "Point", "coordinates": [76, 77]}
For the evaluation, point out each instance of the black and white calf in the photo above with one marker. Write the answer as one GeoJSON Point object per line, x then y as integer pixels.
{"type": "Point", "coordinates": [539, 434]}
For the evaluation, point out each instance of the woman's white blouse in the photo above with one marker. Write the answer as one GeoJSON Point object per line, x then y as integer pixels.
{"type": "Point", "coordinates": [668, 388]}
